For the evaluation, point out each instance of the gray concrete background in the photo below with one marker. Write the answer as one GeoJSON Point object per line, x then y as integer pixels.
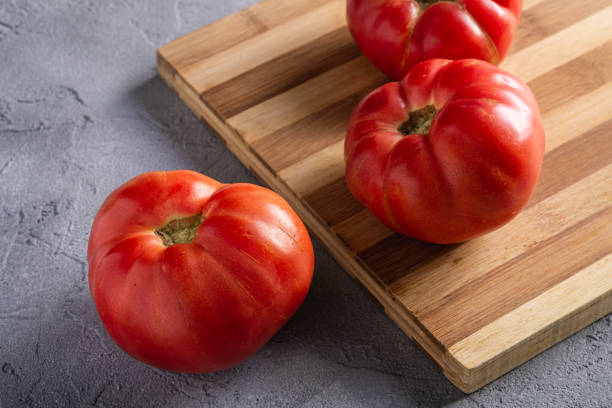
{"type": "Point", "coordinates": [81, 111]}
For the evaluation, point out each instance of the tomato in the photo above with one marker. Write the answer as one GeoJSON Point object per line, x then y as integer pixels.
{"type": "Point", "coordinates": [452, 151]}
{"type": "Point", "coordinates": [191, 275]}
{"type": "Point", "coordinates": [397, 34]}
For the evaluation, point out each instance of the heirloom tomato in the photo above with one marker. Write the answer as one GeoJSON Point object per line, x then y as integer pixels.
{"type": "Point", "coordinates": [397, 34]}
{"type": "Point", "coordinates": [452, 151]}
{"type": "Point", "coordinates": [192, 275]}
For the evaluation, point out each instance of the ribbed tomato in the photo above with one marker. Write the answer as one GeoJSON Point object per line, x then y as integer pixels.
{"type": "Point", "coordinates": [397, 34]}
{"type": "Point", "coordinates": [192, 275]}
{"type": "Point", "coordinates": [452, 151]}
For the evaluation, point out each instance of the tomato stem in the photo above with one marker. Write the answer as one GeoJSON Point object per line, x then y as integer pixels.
{"type": "Point", "coordinates": [180, 230]}
{"type": "Point", "coordinates": [418, 122]}
{"type": "Point", "coordinates": [426, 3]}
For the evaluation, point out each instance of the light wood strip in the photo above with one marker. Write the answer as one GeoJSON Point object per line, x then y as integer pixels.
{"type": "Point", "coordinates": [484, 300]}
{"type": "Point", "coordinates": [546, 18]}
{"type": "Point", "coordinates": [569, 296]}
{"type": "Point", "coordinates": [304, 100]}
{"type": "Point", "coordinates": [579, 76]}
{"type": "Point", "coordinates": [307, 136]}
{"type": "Point", "coordinates": [560, 47]}
{"type": "Point", "coordinates": [566, 121]}
{"type": "Point", "coordinates": [264, 47]}
{"type": "Point", "coordinates": [313, 172]}
{"type": "Point", "coordinates": [361, 230]}
{"type": "Point", "coordinates": [527, 4]}
{"type": "Point", "coordinates": [573, 161]}
{"type": "Point", "coordinates": [276, 12]}
{"type": "Point", "coordinates": [471, 260]}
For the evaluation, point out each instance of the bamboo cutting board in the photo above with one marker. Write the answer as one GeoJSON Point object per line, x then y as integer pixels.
{"type": "Point", "coordinates": [278, 81]}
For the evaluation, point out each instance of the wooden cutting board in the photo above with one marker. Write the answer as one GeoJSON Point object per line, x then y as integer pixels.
{"type": "Point", "coordinates": [278, 81]}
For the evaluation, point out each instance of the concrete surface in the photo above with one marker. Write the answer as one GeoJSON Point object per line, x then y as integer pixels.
{"type": "Point", "coordinates": [81, 111]}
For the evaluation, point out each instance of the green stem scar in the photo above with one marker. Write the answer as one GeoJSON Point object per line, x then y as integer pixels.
{"type": "Point", "coordinates": [418, 122]}
{"type": "Point", "coordinates": [426, 3]}
{"type": "Point", "coordinates": [180, 230]}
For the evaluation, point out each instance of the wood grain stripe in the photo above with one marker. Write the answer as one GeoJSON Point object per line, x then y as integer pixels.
{"type": "Point", "coordinates": [560, 47]}
{"type": "Point", "coordinates": [398, 257]}
{"type": "Point", "coordinates": [361, 231]}
{"type": "Point", "coordinates": [325, 201]}
{"type": "Point", "coordinates": [527, 4]}
{"type": "Point", "coordinates": [308, 135]}
{"type": "Point", "coordinates": [282, 73]}
{"type": "Point", "coordinates": [276, 12]}
{"type": "Point", "coordinates": [212, 39]}
{"type": "Point", "coordinates": [312, 173]}
{"type": "Point", "coordinates": [471, 260]}
{"type": "Point", "coordinates": [453, 318]}
{"type": "Point", "coordinates": [573, 161]}
{"type": "Point", "coordinates": [273, 43]}
{"type": "Point", "coordinates": [564, 122]}
{"type": "Point", "coordinates": [566, 298]}
{"type": "Point", "coordinates": [578, 77]}
{"type": "Point", "coordinates": [312, 96]}
{"type": "Point", "coordinates": [546, 18]}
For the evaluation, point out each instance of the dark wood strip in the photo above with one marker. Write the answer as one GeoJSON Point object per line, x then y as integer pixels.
{"type": "Point", "coordinates": [573, 161]}
{"type": "Point", "coordinates": [334, 202]}
{"type": "Point", "coordinates": [482, 301]}
{"type": "Point", "coordinates": [578, 77]}
{"type": "Point", "coordinates": [547, 18]}
{"type": "Point", "coordinates": [394, 257]}
{"type": "Point", "coordinates": [307, 136]}
{"type": "Point", "coordinates": [282, 73]}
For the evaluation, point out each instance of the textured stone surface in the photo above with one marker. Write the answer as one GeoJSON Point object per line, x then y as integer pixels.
{"type": "Point", "coordinates": [81, 111]}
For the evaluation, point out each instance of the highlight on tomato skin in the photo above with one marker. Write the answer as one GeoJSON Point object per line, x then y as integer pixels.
{"type": "Point", "coordinates": [192, 275]}
{"type": "Point", "coordinates": [395, 35]}
{"type": "Point", "coordinates": [451, 152]}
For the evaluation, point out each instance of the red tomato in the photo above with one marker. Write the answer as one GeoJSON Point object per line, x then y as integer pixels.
{"type": "Point", "coordinates": [397, 34]}
{"type": "Point", "coordinates": [195, 276]}
{"type": "Point", "coordinates": [452, 151]}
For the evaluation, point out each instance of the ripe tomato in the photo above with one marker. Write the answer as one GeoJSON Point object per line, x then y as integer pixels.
{"type": "Point", "coordinates": [195, 276]}
{"type": "Point", "coordinates": [452, 151]}
{"type": "Point", "coordinates": [397, 34]}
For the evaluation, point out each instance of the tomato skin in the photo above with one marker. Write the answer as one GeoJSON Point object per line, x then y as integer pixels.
{"type": "Point", "coordinates": [474, 170]}
{"type": "Point", "coordinates": [205, 305]}
{"type": "Point", "coordinates": [395, 35]}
